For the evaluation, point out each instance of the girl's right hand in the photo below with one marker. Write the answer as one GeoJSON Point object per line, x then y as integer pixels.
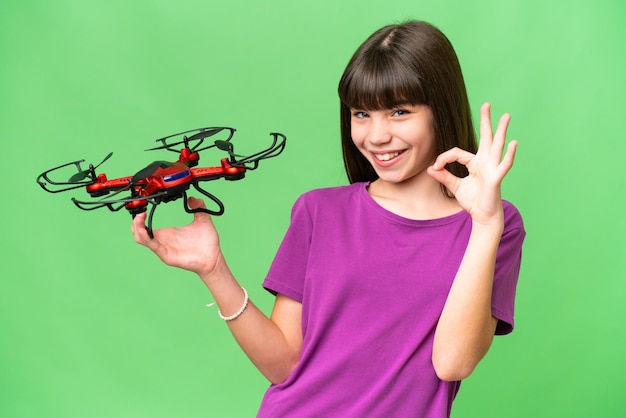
{"type": "Point", "coordinates": [194, 247]}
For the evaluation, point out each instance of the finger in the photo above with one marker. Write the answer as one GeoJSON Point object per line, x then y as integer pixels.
{"type": "Point", "coordinates": [486, 132]}
{"type": "Point", "coordinates": [509, 157]}
{"type": "Point", "coordinates": [452, 155]}
{"type": "Point", "coordinates": [445, 177]}
{"type": "Point", "coordinates": [195, 203]}
{"type": "Point", "coordinates": [138, 228]}
{"type": "Point", "coordinates": [500, 137]}
{"type": "Point", "coordinates": [138, 221]}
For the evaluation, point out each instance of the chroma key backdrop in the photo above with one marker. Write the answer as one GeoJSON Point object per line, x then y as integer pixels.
{"type": "Point", "coordinates": [93, 325]}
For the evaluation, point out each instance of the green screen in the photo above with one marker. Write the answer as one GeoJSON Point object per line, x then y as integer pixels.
{"type": "Point", "coordinates": [94, 325]}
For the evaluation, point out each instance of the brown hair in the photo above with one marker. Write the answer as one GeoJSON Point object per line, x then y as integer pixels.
{"type": "Point", "coordinates": [409, 63]}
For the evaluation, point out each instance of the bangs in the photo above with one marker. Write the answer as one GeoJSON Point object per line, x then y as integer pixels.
{"type": "Point", "coordinates": [381, 81]}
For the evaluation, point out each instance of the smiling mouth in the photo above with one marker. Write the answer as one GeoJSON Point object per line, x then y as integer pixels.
{"type": "Point", "coordinates": [388, 156]}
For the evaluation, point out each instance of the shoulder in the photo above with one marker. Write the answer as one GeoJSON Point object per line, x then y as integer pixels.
{"type": "Point", "coordinates": [330, 204]}
{"type": "Point", "coordinates": [337, 196]}
{"type": "Point", "coordinates": [512, 216]}
{"type": "Point", "coordinates": [514, 230]}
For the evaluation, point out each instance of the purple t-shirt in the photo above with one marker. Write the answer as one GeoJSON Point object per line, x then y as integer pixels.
{"type": "Point", "coordinates": [372, 286]}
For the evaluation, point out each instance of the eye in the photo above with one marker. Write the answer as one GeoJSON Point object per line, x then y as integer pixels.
{"type": "Point", "coordinates": [400, 112]}
{"type": "Point", "coordinates": [359, 114]}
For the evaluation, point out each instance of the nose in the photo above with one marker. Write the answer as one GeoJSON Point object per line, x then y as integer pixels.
{"type": "Point", "coordinates": [379, 131]}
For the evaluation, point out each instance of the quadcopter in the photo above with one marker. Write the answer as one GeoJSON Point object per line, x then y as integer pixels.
{"type": "Point", "coordinates": [163, 181]}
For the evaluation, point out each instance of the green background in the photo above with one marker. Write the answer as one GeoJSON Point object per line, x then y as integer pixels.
{"type": "Point", "coordinates": [92, 325]}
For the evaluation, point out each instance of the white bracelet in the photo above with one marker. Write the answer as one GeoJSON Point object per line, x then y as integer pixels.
{"type": "Point", "coordinates": [240, 311]}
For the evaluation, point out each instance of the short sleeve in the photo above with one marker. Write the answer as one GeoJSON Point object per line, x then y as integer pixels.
{"type": "Point", "coordinates": [288, 270]}
{"type": "Point", "coordinates": [508, 262]}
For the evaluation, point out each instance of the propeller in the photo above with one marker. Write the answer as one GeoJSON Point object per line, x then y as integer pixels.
{"type": "Point", "coordinates": [85, 173]}
{"type": "Point", "coordinates": [200, 136]}
{"type": "Point", "coordinates": [226, 146]}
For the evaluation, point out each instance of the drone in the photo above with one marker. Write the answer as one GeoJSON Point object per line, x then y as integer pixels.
{"type": "Point", "coordinates": [163, 181]}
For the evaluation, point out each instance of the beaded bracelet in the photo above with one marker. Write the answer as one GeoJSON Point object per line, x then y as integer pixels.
{"type": "Point", "coordinates": [240, 311]}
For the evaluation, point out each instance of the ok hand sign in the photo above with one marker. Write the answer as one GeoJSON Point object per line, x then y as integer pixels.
{"type": "Point", "coordinates": [479, 192]}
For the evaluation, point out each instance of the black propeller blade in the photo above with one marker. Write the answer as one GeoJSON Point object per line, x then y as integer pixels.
{"type": "Point", "coordinates": [226, 146]}
{"type": "Point", "coordinates": [85, 173]}
{"type": "Point", "coordinates": [200, 136]}
{"type": "Point", "coordinates": [205, 134]}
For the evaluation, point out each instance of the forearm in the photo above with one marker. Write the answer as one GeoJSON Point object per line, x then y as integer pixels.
{"type": "Point", "coordinates": [260, 338]}
{"type": "Point", "coordinates": [466, 326]}
{"type": "Point", "coordinates": [274, 344]}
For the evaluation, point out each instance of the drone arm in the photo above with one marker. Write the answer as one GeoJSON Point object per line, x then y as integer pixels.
{"type": "Point", "coordinates": [102, 185]}
{"type": "Point", "coordinates": [225, 170]}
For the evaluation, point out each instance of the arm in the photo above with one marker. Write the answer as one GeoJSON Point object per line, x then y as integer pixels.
{"type": "Point", "coordinates": [272, 344]}
{"type": "Point", "coordinates": [466, 326]}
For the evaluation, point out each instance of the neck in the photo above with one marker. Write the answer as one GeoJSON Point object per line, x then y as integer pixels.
{"type": "Point", "coordinates": [418, 198]}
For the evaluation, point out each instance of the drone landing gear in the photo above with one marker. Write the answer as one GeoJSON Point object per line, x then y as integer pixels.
{"type": "Point", "coordinates": [149, 222]}
{"type": "Point", "coordinates": [218, 212]}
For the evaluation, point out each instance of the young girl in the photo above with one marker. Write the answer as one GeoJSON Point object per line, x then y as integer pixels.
{"type": "Point", "coordinates": [388, 290]}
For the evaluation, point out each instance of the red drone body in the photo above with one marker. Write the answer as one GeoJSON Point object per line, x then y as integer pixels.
{"type": "Point", "coordinates": [163, 181]}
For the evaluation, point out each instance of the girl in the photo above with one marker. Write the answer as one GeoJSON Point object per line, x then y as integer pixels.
{"type": "Point", "coordinates": [388, 290]}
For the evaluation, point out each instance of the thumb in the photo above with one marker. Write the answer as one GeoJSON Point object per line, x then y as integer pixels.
{"type": "Point", "coordinates": [195, 203]}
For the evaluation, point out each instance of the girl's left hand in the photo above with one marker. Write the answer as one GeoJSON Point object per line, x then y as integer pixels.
{"type": "Point", "coordinates": [479, 192]}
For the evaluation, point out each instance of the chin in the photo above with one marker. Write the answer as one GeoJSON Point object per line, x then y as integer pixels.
{"type": "Point", "coordinates": [402, 178]}
{"type": "Point", "coordinates": [393, 179]}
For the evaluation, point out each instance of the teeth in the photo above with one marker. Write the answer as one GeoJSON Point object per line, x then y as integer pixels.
{"type": "Point", "coordinates": [387, 156]}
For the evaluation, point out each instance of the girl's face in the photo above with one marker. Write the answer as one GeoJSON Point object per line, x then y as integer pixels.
{"type": "Point", "coordinates": [399, 143]}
